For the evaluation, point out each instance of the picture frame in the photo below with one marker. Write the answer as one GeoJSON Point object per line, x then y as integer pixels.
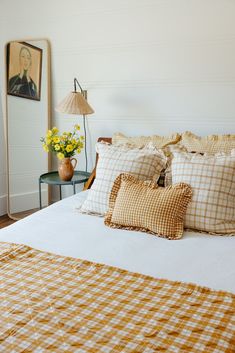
{"type": "Point", "coordinates": [24, 70]}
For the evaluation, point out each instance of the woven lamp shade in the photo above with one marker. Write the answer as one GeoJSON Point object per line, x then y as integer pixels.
{"type": "Point", "coordinates": [74, 103]}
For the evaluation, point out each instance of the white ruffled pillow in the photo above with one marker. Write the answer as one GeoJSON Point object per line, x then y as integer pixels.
{"type": "Point", "coordinates": [140, 141]}
{"type": "Point", "coordinates": [207, 144]}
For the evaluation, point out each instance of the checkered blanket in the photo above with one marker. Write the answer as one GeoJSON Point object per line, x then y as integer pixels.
{"type": "Point", "coordinates": [51, 303]}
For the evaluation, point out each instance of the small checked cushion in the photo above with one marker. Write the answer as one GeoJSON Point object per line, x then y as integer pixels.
{"type": "Point", "coordinates": [145, 206]}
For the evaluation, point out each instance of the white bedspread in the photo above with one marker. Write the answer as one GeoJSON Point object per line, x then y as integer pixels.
{"type": "Point", "coordinates": [203, 259]}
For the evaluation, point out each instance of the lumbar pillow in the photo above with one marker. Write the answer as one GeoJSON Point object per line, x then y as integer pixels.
{"type": "Point", "coordinates": [144, 163]}
{"type": "Point", "coordinates": [209, 144]}
{"type": "Point", "coordinates": [140, 141]}
{"type": "Point", "coordinates": [144, 206]}
{"type": "Point", "coordinates": [212, 178]}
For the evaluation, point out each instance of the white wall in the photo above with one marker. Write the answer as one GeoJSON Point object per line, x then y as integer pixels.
{"type": "Point", "coordinates": [150, 66]}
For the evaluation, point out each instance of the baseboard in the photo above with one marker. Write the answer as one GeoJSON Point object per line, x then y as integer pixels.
{"type": "Point", "coordinates": [27, 201]}
{"type": "Point", "coordinates": [3, 205]}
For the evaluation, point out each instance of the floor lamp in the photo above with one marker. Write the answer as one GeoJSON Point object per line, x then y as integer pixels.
{"type": "Point", "coordinates": [76, 103]}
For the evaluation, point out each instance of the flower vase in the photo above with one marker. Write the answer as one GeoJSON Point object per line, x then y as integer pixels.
{"type": "Point", "coordinates": [66, 168]}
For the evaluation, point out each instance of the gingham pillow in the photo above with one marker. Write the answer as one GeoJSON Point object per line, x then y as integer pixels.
{"type": "Point", "coordinates": [140, 141]}
{"type": "Point", "coordinates": [145, 164]}
{"type": "Point", "coordinates": [209, 144]}
{"type": "Point", "coordinates": [145, 206]}
{"type": "Point", "coordinates": [212, 178]}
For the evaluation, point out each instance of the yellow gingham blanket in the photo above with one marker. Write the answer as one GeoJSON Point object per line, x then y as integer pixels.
{"type": "Point", "coordinates": [51, 303]}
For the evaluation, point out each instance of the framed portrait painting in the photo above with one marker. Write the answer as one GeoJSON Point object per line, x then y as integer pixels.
{"type": "Point", "coordinates": [24, 70]}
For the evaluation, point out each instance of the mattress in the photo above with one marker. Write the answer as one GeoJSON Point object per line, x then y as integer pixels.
{"type": "Point", "coordinates": [197, 258]}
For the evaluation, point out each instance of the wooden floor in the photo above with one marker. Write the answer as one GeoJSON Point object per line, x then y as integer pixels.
{"type": "Point", "coordinates": [24, 214]}
{"type": "Point", "coordinates": [5, 221]}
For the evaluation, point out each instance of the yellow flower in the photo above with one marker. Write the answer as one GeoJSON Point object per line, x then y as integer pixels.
{"type": "Point", "coordinates": [45, 147]}
{"type": "Point", "coordinates": [56, 139]}
{"type": "Point", "coordinates": [69, 148]}
{"type": "Point", "coordinates": [48, 140]}
{"type": "Point", "coordinates": [60, 155]}
{"type": "Point", "coordinates": [55, 130]}
{"type": "Point", "coordinates": [65, 144]}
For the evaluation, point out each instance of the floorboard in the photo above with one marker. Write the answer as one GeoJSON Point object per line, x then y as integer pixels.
{"type": "Point", "coordinates": [5, 221]}
{"type": "Point", "coordinates": [24, 214]}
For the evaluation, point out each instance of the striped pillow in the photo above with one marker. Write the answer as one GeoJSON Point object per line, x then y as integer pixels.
{"type": "Point", "coordinates": [140, 141]}
{"type": "Point", "coordinates": [144, 163]}
{"type": "Point", "coordinates": [209, 144]}
{"type": "Point", "coordinates": [145, 206]}
{"type": "Point", "coordinates": [212, 178]}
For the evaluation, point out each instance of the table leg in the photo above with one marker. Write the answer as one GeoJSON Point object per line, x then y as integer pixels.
{"type": "Point", "coordinates": [60, 192]}
{"type": "Point", "coordinates": [40, 195]}
{"type": "Point", "coordinates": [74, 188]}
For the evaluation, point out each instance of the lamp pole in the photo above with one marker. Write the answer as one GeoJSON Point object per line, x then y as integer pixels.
{"type": "Point", "coordinates": [84, 93]}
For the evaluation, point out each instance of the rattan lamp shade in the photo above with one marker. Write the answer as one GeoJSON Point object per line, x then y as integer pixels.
{"type": "Point", "coordinates": [74, 103]}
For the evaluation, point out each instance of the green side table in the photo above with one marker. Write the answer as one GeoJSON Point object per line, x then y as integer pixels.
{"type": "Point", "coordinates": [52, 178]}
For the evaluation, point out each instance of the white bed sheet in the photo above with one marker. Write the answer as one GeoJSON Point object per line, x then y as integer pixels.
{"type": "Point", "coordinates": [203, 259]}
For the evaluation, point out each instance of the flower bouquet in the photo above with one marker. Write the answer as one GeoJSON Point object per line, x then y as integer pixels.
{"type": "Point", "coordinates": [65, 146]}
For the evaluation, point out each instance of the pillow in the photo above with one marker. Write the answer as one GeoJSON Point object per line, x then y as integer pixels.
{"type": "Point", "coordinates": [145, 163]}
{"type": "Point", "coordinates": [210, 144]}
{"type": "Point", "coordinates": [212, 178]}
{"type": "Point", "coordinates": [140, 141]}
{"type": "Point", "coordinates": [145, 206]}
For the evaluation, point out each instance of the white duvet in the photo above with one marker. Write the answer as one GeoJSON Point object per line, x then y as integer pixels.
{"type": "Point", "coordinates": [203, 259]}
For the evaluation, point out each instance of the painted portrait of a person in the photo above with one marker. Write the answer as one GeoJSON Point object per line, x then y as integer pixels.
{"type": "Point", "coordinates": [25, 82]}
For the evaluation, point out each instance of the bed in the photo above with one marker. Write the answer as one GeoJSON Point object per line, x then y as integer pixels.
{"type": "Point", "coordinates": [68, 283]}
{"type": "Point", "coordinates": [197, 267]}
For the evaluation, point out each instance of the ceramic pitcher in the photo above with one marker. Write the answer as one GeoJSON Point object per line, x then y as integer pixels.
{"type": "Point", "coordinates": [66, 168]}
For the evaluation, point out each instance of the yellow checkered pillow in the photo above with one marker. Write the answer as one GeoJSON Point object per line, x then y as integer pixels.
{"type": "Point", "coordinates": [144, 163]}
{"type": "Point", "coordinates": [211, 144]}
{"type": "Point", "coordinates": [142, 205]}
{"type": "Point", "coordinates": [140, 141]}
{"type": "Point", "coordinates": [212, 178]}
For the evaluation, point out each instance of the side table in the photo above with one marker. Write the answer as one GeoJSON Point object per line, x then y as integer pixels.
{"type": "Point", "coordinates": [52, 178]}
